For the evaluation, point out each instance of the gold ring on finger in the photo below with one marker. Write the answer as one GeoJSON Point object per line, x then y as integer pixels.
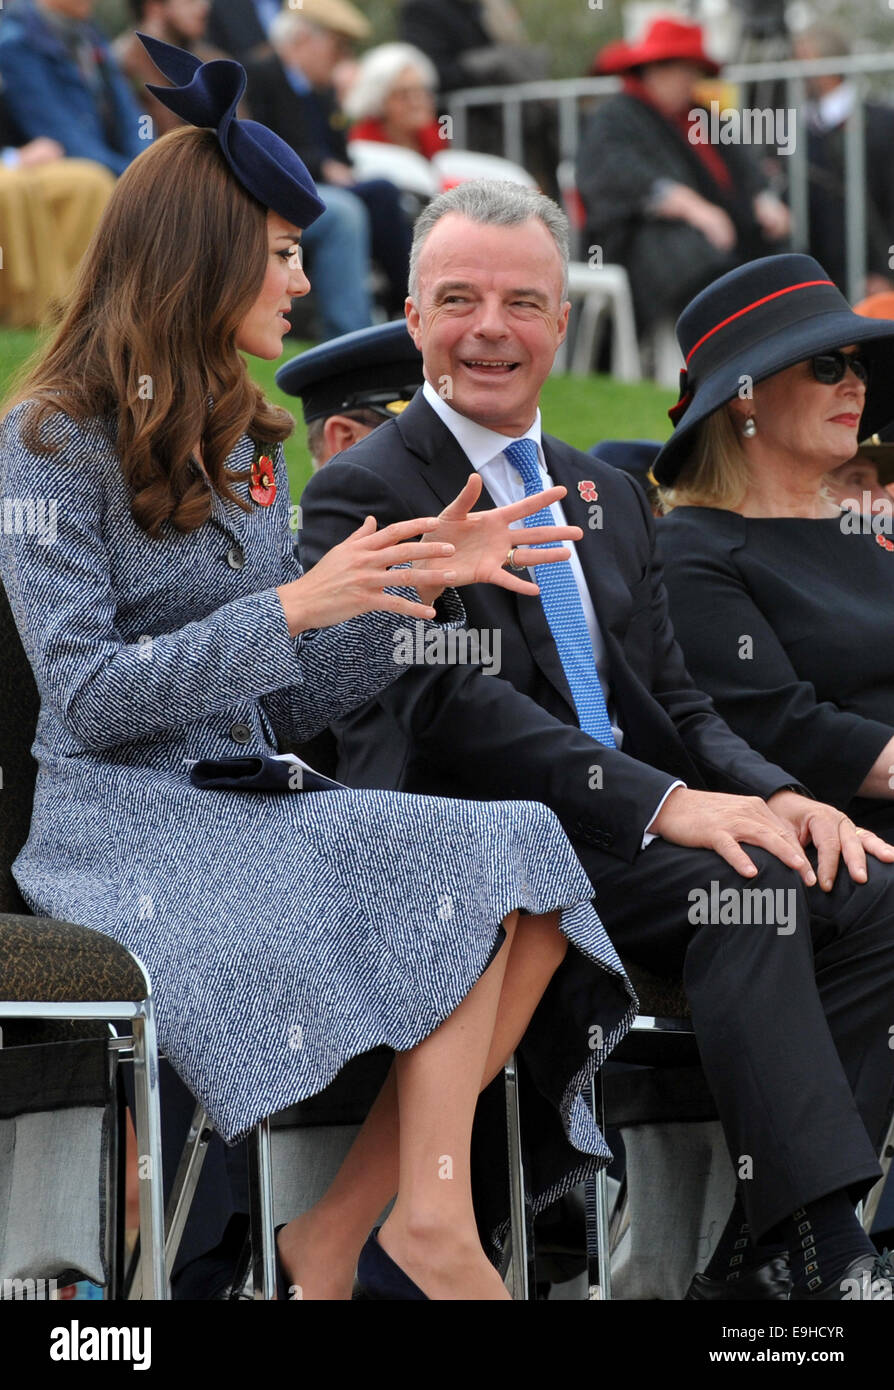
{"type": "Point", "coordinates": [511, 561]}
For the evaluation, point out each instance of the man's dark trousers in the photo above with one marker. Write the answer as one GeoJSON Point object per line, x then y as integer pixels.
{"type": "Point", "coordinates": [793, 1026]}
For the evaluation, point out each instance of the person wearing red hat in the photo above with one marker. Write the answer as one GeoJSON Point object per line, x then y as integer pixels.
{"type": "Point", "coordinates": [675, 210]}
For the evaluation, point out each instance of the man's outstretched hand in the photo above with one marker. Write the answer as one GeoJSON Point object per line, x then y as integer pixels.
{"type": "Point", "coordinates": [484, 539]}
{"type": "Point", "coordinates": [783, 826]}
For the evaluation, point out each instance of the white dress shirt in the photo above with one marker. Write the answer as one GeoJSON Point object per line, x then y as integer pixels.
{"type": "Point", "coordinates": [485, 450]}
{"type": "Point", "coordinates": [832, 108]}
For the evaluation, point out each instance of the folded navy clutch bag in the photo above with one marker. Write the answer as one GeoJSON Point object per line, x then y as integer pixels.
{"type": "Point", "coordinates": [260, 774]}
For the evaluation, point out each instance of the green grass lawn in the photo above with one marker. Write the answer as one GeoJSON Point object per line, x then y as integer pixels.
{"type": "Point", "coordinates": [580, 410]}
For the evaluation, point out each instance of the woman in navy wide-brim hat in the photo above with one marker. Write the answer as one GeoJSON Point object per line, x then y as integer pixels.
{"type": "Point", "coordinates": [782, 599]}
{"type": "Point", "coordinates": [169, 625]}
{"type": "Point", "coordinates": [755, 321]}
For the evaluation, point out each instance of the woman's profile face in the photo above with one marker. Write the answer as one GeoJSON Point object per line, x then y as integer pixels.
{"type": "Point", "coordinates": [800, 418]}
{"type": "Point", "coordinates": [262, 330]}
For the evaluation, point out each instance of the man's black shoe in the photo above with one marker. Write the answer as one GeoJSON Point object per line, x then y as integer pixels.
{"type": "Point", "coordinates": [768, 1280]}
{"type": "Point", "coordinates": [869, 1278]}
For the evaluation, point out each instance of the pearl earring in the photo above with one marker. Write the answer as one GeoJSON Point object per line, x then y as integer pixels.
{"type": "Point", "coordinates": [749, 429]}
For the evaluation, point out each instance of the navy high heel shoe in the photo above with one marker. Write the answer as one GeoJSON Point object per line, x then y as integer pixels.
{"type": "Point", "coordinates": [282, 1283]}
{"type": "Point", "coordinates": [378, 1277]}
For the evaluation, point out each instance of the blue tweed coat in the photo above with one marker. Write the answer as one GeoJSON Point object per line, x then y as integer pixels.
{"type": "Point", "coordinates": [284, 934]}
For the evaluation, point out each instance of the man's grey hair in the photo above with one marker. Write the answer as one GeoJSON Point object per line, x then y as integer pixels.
{"type": "Point", "coordinates": [493, 203]}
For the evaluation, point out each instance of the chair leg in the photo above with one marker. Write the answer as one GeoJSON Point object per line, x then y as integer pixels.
{"type": "Point", "coordinates": [189, 1170]}
{"type": "Point", "coordinates": [518, 1267]}
{"type": "Point", "coordinates": [626, 364]}
{"type": "Point", "coordinates": [147, 1122]}
{"type": "Point", "coordinates": [591, 312]}
{"type": "Point", "coordinates": [602, 1290]}
{"type": "Point", "coordinates": [260, 1203]}
{"type": "Point", "coordinates": [114, 1213]}
{"type": "Point", "coordinates": [620, 1217]}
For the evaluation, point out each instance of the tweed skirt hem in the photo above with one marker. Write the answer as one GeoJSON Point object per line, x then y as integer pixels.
{"type": "Point", "coordinates": [299, 931]}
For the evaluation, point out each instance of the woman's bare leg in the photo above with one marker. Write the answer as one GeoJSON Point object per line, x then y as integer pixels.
{"type": "Point", "coordinates": [431, 1230]}
{"type": "Point", "coordinates": [320, 1247]}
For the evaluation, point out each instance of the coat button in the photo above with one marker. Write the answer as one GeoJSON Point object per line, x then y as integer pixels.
{"type": "Point", "coordinates": [240, 733]}
{"type": "Point", "coordinates": [235, 557]}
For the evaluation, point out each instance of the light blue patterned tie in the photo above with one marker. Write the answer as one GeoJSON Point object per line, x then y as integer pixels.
{"type": "Point", "coordinates": [564, 612]}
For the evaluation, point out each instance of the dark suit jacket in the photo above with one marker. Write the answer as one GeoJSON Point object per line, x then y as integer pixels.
{"type": "Point", "coordinates": [826, 160]}
{"type": "Point", "coordinates": [11, 136]}
{"type": "Point", "coordinates": [444, 32]}
{"type": "Point", "coordinates": [815, 602]}
{"type": "Point", "coordinates": [234, 26]}
{"type": "Point", "coordinates": [451, 730]}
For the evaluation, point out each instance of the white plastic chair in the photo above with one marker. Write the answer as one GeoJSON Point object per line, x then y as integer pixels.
{"type": "Point", "coordinates": [459, 166]}
{"type": "Point", "coordinates": [602, 290]}
{"type": "Point", "coordinates": [373, 159]}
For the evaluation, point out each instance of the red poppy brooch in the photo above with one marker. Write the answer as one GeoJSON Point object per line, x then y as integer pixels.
{"type": "Point", "coordinates": [587, 489]}
{"type": "Point", "coordinates": [262, 488]}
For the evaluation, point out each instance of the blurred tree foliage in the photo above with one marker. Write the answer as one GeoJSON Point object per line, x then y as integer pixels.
{"type": "Point", "coordinates": [569, 29]}
{"type": "Point", "coordinates": [573, 32]}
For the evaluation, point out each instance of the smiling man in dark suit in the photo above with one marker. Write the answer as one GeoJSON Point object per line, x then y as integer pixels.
{"type": "Point", "coordinates": [593, 713]}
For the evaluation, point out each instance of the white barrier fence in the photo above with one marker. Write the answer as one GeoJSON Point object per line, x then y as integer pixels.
{"type": "Point", "coordinates": [568, 96]}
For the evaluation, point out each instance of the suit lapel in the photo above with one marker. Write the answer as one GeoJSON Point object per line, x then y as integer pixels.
{"type": "Point", "coordinates": [609, 594]}
{"type": "Point", "coordinates": [444, 465]}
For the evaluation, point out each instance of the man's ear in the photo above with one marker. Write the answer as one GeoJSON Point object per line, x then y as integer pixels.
{"type": "Point", "coordinates": [414, 322]}
{"type": "Point", "coordinates": [562, 321]}
{"type": "Point", "coordinates": [340, 432]}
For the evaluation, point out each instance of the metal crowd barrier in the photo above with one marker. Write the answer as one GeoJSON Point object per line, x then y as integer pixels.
{"type": "Point", "coordinates": [569, 93]}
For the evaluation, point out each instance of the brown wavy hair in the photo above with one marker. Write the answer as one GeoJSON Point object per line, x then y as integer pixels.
{"type": "Point", "coordinates": [149, 332]}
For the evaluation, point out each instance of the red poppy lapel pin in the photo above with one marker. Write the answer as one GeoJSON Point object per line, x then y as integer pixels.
{"type": "Point", "coordinates": [587, 490]}
{"type": "Point", "coordinates": [262, 488]}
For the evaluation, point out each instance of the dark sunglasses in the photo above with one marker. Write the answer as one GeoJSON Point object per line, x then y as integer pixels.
{"type": "Point", "coordinates": [830, 367]}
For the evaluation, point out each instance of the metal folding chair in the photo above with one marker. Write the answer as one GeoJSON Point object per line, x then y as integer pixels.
{"type": "Point", "coordinates": [55, 970]}
{"type": "Point", "coordinates": [661, 1035]}
{"type": "Point", "coordinates": [50, 970]}
{"type": "Point", "coordinates": [260, 1188]}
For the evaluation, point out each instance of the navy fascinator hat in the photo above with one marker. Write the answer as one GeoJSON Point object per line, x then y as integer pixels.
{"type": "Point", "coordinates": [207, 94]}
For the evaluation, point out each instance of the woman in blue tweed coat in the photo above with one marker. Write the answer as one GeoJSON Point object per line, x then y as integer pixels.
{"type": "Point", "coordinates": [168, 621]}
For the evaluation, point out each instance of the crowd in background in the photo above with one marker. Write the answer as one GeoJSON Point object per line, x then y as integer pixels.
{"type": "Point", "coordinates": [675, 212]}
{"type": "Point", "coordinates": [76, 110]}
